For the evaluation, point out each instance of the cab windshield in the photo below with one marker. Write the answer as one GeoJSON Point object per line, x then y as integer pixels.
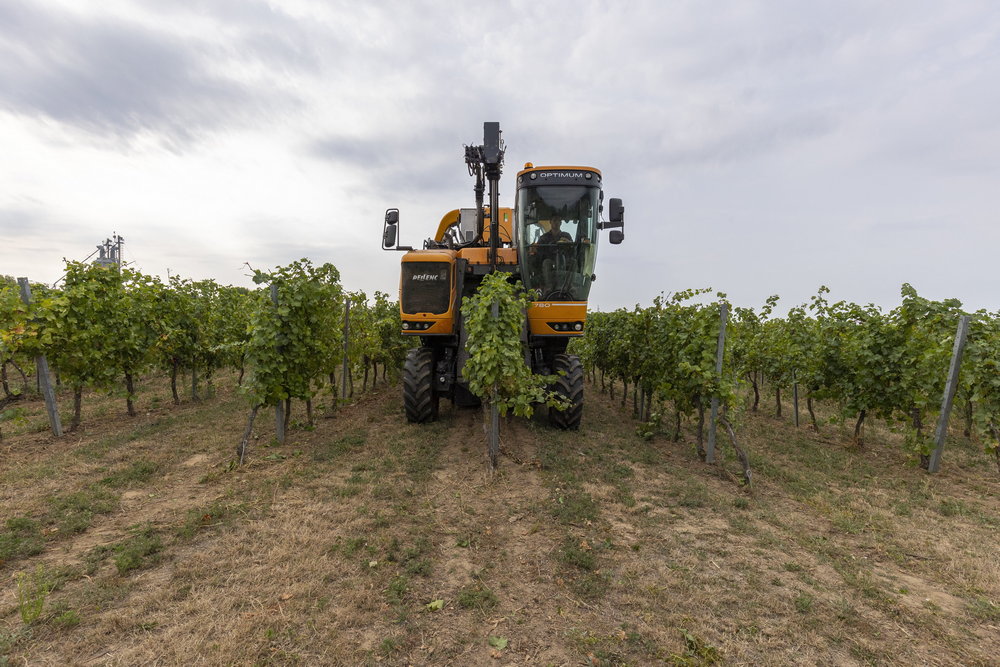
{"type": "Point", "coordinates": [556, 227]}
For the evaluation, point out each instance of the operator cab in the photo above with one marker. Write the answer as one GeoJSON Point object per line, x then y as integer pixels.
{"type": "Point", "coordinates": [556, 222]}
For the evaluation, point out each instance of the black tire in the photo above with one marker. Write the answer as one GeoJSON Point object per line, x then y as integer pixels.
{"type": "Point", "coordinates": [569, 386]}
{"type": "Point", "coordinates": [420, 400]}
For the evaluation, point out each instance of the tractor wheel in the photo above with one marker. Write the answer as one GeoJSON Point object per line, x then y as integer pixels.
{"type": "Point", "coordinates": [419, 397]}
{"type": "Point", "coordinates": [569, 386]}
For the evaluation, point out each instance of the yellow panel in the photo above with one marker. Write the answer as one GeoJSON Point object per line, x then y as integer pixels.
{"type": "Point", "coordinates": [482, 255]}
{"type": "Point", "coordinates": [430, 256]}
{"type": "Point", "coordinates": [540, 313]}
{"type": "Point", "coordinates": [450, 218]}
{"type": "Point", "coordinates": [443, 324]}
{"type": "Point", "coordinates": [506, 221]}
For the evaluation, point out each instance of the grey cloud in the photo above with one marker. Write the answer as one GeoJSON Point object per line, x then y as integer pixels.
{"type": "Point", "coordinates": [267, 251]}
{"type": "Point", "coordinates": [420, 161]}
{"type": "Point", "coordinates": [27, 233]}
{"type": "Point", "coordinates": [116, 79]}
{"type": "Point", "coordinates": [272, 48]}
{"type": "Point", "coordinates": [18, 221]}
{"type": "Point", "coordinates": [273, 254]}
{"type": "Point", "coordinates": [259, 31]}
{"type": "Point", "coordinates": [352, 151]}
{"type": "Point", "coordinates": [755, 140]}
{"type": "Point", "coordinates": [23, 225]}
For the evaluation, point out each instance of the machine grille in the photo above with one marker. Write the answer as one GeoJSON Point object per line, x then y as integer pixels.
{"type": "Point", "coordinates": [426, 287]}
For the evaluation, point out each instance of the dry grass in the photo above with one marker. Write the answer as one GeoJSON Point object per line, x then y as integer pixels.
{"type": "Point", "coordinates": [595, 547]}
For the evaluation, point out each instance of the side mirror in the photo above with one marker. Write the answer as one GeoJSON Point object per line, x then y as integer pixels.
{"type": "Point", "coordinates": [389, 230]}
{"type": "Point", "coordinates": [617, 211]}
{"type": "Point", "coordinates": [616, 221]}
{"type": "Point", "coordinates": [389, 236]}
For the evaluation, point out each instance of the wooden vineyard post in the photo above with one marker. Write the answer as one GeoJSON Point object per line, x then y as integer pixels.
{"type": "Point", "coordinates": [241, 449]}
{"type": "Point", "coordinates": [795, 398]}
{"type": "Point", "coordinates": [494, 434]}
{"type": "Point", "coordinates": [279, 414]}
{"type": "Point", "coordinates": [347, 331]}
{"type": "Point", "coordinates": [279, 423]}
{"type": "Point", "coordinates": [714, 414]}
{"type": "Point", "coordinates": [42, 366]}
{"type": "Point", "coordinates": [949, 393]}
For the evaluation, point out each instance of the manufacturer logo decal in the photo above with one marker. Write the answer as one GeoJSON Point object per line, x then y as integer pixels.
{"type": "Point", "coordinates": [562, 174]}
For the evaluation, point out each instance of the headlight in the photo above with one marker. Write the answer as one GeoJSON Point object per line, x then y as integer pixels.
{"type": "Point", "coordinates": [417, 326]}
{"type": "Point", "coordinates": [566, 326]}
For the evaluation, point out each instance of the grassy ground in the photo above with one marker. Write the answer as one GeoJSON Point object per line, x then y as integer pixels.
{"type": "Point", "coordinates": [368, 540]}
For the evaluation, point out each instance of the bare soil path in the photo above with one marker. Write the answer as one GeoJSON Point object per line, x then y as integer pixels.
{"type": "Point", "coordinates": [371, 541]}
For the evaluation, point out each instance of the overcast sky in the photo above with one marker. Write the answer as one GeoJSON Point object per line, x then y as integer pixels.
{"type": "Point", "coordinates": [760, 147]}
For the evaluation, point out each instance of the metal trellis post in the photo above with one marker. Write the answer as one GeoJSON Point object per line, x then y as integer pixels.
{"type": "Point", "coordinates": [42, 366]}
{"type": "Point", "coordinates": [279, 413]}
{"type": "Point", "coordinates": [949, 393]}
{"type": "Point", "coordinates": [714, 416]}
{"type": "Point", "coordinates": [494, 435]}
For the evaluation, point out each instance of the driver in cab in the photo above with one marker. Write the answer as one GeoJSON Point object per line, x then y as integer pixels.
{"type": "Point", "coordinates": [555, 234]}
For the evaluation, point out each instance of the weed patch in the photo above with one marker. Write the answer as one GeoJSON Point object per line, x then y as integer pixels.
{"type": "Point", "coordinates": [138, 473]}
{"type": "Point", "coordinates": [329, 451]}
{"type": "Point", "coordinates": [574, 507]}
{"type": "Point", "coordinates": [591, 585]}
{"type": "Point", "coordinates": [951, 507]}
{"type": "Point", "coordinates": [74, 512]}
{"type": "Point", "coordinates": [32, 590]}
{"type": "Point", "coordinates": [477, 596]}
{"type": "Point", "coordinates": [66, 619]}
{"type": "Point", "coordinates": [692, 494]}
{"type": "Point", "coordinates": [141, 548]}
{"type": "Point", "coordinates": [218, 513]}
{"type": "Point", "coordinates": [696, 651]}
{"type": "Point", "coordinates": [985, 610]}
{"type": "Point", "coordinates": [397, 590]}
{"type": "Point", "coordinates": [804, 603]}
{"type": "Point", "coordinates": [578, 554]}
{"type": "Point", "coordinates": [100, 448]}
{"type": "Point", "coordinates": [21, 538]}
